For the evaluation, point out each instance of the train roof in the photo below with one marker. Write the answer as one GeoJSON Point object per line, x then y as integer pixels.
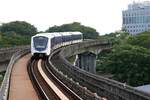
{"type": "Point", "coordinates": [56, 34]}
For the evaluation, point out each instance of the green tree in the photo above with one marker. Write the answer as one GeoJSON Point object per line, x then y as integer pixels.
{"type": "Point", "coordinates": [142, 39]}
{"type": "Point", "coordinates": [128, 64]}
{"type": "Point", "coordinates": [116, 38]}
{"type": "Point", "coordinates": [18, 27]}
{"type": "Point", "coordinates": [11, 39]}
{"type": "Point", "coordinates": [88, 32]}
{"type": "Point", "coordinates": [129, 58]}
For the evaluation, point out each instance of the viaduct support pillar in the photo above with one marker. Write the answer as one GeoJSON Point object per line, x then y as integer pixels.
{"type": "Point", "coordinates": [86, 61]}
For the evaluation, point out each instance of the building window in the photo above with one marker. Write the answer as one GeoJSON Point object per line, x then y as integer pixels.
{"type": "Point", "coordinates": [124, 20]}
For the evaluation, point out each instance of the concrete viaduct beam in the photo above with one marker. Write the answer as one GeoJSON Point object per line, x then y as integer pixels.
{"type": "Point", "coordinates": [86, 61]}
{"type": "Point", "coordinates": [6, 54]}
{"type": "Point", "coordinates": [86, 54]}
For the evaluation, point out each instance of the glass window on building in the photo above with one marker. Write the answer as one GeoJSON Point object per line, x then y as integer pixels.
{"type": "Point", "coordinates": [141, 19]}
{"type": "Point", "coordinates": [130, 20]}
{"type": "Point", "coordinates": [134, 20]}
{"type": "Point", "coordinates": [124, 20]}
{"type": "Point", "coordinates": [148, 19]}
{"type": "Point", "coordinates": [144, 19]}
{"type": "Point", "coordinates": [138, 19]}
{"type": "Point", "coordinates": [127, 20]}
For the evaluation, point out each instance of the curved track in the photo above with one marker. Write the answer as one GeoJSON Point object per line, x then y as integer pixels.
{"type": "Point", "coordinates": [47, 85]}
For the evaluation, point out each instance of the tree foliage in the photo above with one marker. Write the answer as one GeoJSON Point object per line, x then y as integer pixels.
{"type": "Point", "coordinates": [142, 39]}
{"type": "Point", "coordinates": [129, 59]}
{"type": "Point", "coordinates": [88, 32]}
{"type": "Point", "coordinates": [128, 64]}
{"type": "Point", "coordinates": [116, 38]}
{"type": "Point", "coordinates": [18, 27]}
{"type": "Point", "coordinates": [12, 39]}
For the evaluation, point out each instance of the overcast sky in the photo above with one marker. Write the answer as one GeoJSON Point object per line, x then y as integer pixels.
{"type": "Point", "coordinates": [103, 15]}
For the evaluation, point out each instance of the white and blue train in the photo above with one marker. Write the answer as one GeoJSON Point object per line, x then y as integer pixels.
{"type": "Point", "coordinates": [44, 43]}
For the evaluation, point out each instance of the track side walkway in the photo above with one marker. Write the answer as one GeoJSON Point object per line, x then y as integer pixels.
{"type": "Point", "coordinates": [20, 85]}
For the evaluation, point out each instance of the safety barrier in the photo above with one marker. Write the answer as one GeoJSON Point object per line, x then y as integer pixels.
{"type": "Point", "coordinates": [4, 90]}
{"type": "Point", "coordinates": [6, 53]}
{"type": "Point", "coordinates": [83, 92]}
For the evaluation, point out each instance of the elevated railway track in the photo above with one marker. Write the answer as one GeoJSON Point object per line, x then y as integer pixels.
{"type": "Point", "coordinates": [57, 66]}
{"type": "Point", "coordinates": [47, 85]}
{"type": "Point", "coordinates": [110, 89]}
{"type": "Point", "coordinates": [57, 74]}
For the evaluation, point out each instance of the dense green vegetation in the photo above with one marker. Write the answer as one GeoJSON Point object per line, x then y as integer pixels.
{"type": "Point", "coordinates": [16, 33]}
{"type": "Point", "coordinates": [142, 39]}
{"type": "Point", "coordinates": [18, 27]}
{"type": "Point", "coordinates": [19, 32]}
{"type": "Point", "coordinates": [129, 59]}
{"type": "Point", "coordinates": [10, 39]}
{"type": "Point", "coordinates": [88, 32]}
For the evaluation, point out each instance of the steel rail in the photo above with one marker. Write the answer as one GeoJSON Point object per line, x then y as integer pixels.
{"type": "Point", "coordinates": [68, 91]}
{"type": "Point", "coordinates": [41, 93]}
{"type": "Point", "coordinates": [42, 88]}
{"type": "Point", "coordinates": [45, 91]}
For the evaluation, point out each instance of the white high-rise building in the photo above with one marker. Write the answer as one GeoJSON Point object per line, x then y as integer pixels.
{"type": "Point", "coordinates": [136, 18]}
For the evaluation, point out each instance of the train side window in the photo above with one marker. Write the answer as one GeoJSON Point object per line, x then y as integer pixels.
{"type": "Point", "coordinates": [52, 42]}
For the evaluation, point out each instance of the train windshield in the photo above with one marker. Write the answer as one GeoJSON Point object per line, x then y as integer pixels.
{"type": "Point", "coordinates": [40, 43]}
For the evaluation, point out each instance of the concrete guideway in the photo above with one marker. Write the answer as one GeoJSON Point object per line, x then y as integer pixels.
{"type": "Point", "coordinates": [20, 84]}
{"type": "Point", "coordinates": [74, 77]}
{"type": "Point", "coordinates": [51, 84]}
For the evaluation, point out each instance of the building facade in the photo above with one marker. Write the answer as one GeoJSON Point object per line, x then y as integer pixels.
{"type": "Point", "coordinates": [136, 18]}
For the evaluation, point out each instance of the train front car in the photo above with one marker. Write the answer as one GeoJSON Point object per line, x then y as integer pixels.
{"type": "Point", "coordinates": [44, 43]}
{"type": "Point", "coordinates": [39, 45]}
